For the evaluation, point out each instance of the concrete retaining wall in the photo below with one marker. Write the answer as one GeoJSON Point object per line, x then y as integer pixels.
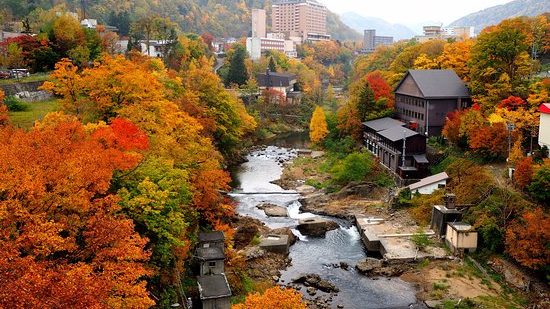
{"type": "Point", "coordinates": [27, 92]}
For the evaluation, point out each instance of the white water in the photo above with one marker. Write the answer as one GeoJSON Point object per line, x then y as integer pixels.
{"type": "Point", "coordinates": [315, 255]}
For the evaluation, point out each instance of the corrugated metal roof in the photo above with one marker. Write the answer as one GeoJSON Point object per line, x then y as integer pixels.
{"type": "Point", "coordinates": [275, 79]}
{"type": "Point", "coordinates": [383, 124]}
{"type": "Point", "coordinates": [210, 253]}
{"type": "Point", "coordinates": [396, 133]}
{"type": "Point", "coordinates": [429, 180]}
{"type": "Point", "coordinates": [437, 84]}
{"type": "Point", "coordinates": [211, 236]}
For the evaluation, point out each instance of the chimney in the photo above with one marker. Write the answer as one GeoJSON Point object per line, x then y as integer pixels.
{"type": "Point", "coordinates": [450, 201]}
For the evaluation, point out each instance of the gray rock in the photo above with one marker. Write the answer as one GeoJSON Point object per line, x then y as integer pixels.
{"type": "Point", "coordinates": [344, 265]}
{"type": "Point", "coordinates": [311, 291]}
{"type": "Point", "coordinates": [316, 226]}
{"type": "Point", "coordinates": [274, 210]}
{"type": "Point", "coordinates": [313, 280]}
{"type": "Point", "coordinates": [368, 265]}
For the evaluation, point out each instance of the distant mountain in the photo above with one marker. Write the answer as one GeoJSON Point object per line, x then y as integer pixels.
{"type": "Point", "coordinates": [382, 27]}
{"type": "Point", "coordinates": [339, 30]}
{"type": "Point", "coordinates": [495, 14]}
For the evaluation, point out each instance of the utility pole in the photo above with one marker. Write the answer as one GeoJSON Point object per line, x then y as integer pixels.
{"type": "Point", "coordinates": [404, 147]}
{"type": "Point", "coordinates": [510, 126]}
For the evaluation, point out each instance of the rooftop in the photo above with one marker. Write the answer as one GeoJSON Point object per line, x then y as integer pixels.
{"type": "Point", "coordinates": [210, 253]}
{"type": "Point", "coordinates": [211, 236]}
{"type": "Point", "coordinates": [383, 124]}
{"type": "Point", "coordinates": [275, 79]}
{"type": "Point", "coordinates": [460, 226]}
{"type": "Point", "coordinates": [429, 180]}
{"type": "Point", "coordinates": [544, 108]}
{"type": "Point", "coordinates": [213, 286]}
{"type": "Point", "coordinates": [397, 133]}
{"type": "Point", "coordinates": [437, 84]}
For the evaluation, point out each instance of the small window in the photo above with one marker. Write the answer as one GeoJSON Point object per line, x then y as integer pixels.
{"type": "Point", "coordinates": [211, 264]}
{"type": "Point", "coordinates": [206, 245]}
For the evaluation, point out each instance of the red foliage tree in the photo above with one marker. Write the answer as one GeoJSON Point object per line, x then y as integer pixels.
{"type": "Point", "coordinates": [64, 243]}
{"type": "Point", "coordinates": [524, 172]}
{"type": "Point", "coordinates": [527, 239]}
{"type": "Point", "coordinates": [512, 103]}
{"type": "Point", "coordinates": [380, 87]}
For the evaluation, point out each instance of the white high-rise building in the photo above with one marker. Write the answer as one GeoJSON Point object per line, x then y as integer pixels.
{"type": "Point", "coordinates": [258, 23]}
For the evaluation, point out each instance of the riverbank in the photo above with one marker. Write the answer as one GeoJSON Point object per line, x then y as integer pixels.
{"type": "Point", "coordinates": [439, 283]}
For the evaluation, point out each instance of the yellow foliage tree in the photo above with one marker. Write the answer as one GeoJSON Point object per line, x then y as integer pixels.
{"type": "Point", "coordinates": [318, 128]}
{"type": "Point", "coordinates": [273, 298]}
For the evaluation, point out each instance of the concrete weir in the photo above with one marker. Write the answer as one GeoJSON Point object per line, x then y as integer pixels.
{"type": "Point", "coordinates": [393, 243]}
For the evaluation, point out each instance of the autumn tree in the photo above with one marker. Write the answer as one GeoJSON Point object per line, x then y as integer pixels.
{"type": "Point", "coordinates": [455, 56]}
{"type": "Point", "coordinates": [273, 298]}
{"type": "Point", "coordinates": [64, 241]}
{"type": "Point", "coordinates": [500, 62]}
{"type": "Point", "coordinates": [524, 172]}
{"type": "Point", "coordinates": [318, 128]}
{"type": "Point", "coordinates": [490, 141]}
{"type": "Point", "coordinates": [527, 239]}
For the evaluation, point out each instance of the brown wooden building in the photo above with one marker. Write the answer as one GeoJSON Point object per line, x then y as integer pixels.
{"type": "Point", "coordinates": [423, 99]}
{"type": "Point", "coordinates": [387, 139]}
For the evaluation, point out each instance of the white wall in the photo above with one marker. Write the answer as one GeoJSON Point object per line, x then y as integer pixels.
{"type": "Point", "coordinates": [429, 189]}
{"type": "Point", "coordinates": [544, 130]}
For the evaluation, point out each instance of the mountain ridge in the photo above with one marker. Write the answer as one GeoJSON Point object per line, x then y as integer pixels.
{"type": "Point", "coordinates": [494, 15]}
{"type": "Point", "coordinates": [359, 22]}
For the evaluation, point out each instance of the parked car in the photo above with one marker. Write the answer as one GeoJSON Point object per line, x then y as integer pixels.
{"type": "Point", "coordinates": [19, 73]}
{"type": "Point", "coordinates": [5, 75]}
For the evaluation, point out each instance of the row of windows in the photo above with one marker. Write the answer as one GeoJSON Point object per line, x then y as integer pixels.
{"type": "Point", "coordinates": [409, 113]}
{"type": "Point", "coordinates": [411, 101]}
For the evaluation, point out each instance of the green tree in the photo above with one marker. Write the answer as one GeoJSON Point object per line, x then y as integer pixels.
{"type": "Point", "coordinates": [538, 188]}
{"type": "Point", "coordinates": [237, 73]}
{"type": "Point", "coordinates": [272, 65]}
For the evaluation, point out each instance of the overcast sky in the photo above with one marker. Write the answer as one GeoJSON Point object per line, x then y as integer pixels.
{"type": "Point", "coordinates": [412, 12]}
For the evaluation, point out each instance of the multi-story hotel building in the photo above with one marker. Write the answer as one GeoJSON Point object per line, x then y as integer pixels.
{"type": "Point", "coordinates": [371, 40]}
{"type": "Point", "coordinates": [258, 23]}
{"type": "Point", "coordinates": [304, 18]}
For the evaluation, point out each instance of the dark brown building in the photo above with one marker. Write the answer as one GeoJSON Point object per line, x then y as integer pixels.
{"type": "Point", "coordinates": [387, 139]}
{"type": "Point", "coordinates": [423, 99]}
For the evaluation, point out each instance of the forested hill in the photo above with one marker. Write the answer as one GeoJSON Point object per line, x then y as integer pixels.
{"type": "Point", "coordinates": [218, 17]}
{"type": "Point", "coordinates": [496, 14]}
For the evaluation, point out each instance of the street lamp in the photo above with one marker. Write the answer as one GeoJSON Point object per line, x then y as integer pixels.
{"type": "Point", "coordinates": [510, 126]}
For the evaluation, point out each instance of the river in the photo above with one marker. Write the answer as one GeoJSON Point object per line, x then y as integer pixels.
{"type": "Point", "coordinates": [315, 255]}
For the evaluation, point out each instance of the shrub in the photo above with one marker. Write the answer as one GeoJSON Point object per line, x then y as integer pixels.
{"type": "Point", "coordinates": [15, 105]}
{"type": "Point", "coordinates": [421, 240]}
{"type": "Point", "coordinates": [538, 188]}
{"type": "Point", "coordinates": [354, 167]}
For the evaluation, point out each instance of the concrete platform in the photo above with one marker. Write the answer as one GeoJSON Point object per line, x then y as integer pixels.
{"type": "Point", "coordinates": [275, 243]}
{"type": "Point", "coordinates": [393, 241]}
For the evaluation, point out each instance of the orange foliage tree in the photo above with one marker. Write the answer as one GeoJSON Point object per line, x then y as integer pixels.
{"type": "Point", "coordinates": [527, 239]}
{"type": "Point", "coordinates": [490, 141]}
{"type": "Point", "coordinates": [524, 172]}
{"type": "Point", "coordinates": [273, 298]}
{"type": "Point", "coordinates": [64, 242]}
{"type": "Point", "coordinates": [318, 129]}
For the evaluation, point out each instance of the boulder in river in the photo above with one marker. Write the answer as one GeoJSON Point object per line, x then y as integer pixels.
{"type": "Point", "coordinates": [273, 210]}
{"type": "Point", "coordinates": [313, 280]}
{"type": "Point", "coordinates": [376, 267]}
{"type": "Point", "coordinates": [316, 226]}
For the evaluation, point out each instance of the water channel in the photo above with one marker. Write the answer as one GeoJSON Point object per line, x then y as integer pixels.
{"type": "Point", "coordinates": [315, 255]}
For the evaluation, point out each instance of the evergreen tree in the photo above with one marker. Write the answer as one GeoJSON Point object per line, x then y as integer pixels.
{"type": "Point", "coordinates": [237, 70]}
{"type": "Point", "coordinates": [272, 65]}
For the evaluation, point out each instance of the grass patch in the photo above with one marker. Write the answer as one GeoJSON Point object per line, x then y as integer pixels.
{"type": "Point", "coordinates": [38, 77]}
{"type": "Point", "coordinates": [255, 241]}
{"type": "Point", "coordinates": [36, 111]}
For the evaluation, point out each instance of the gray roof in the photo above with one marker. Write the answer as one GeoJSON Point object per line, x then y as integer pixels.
{"type": "Point", "coordinates": [213, 286]}
{"type": "Point", "coordinates": [383, 124]}
{"type": "Point", "coordinates": [275, 79]}
{"type": "Point", "coordinates": [429, 180]}
{"type": "Point", "coordinates": [211, 236]}
{"type": "Point", "coordinates": [437, 84]}
{"type": "Point", "coordinates": [421, 158]}
{"type": "Point", "coordinates": [460, 226]}
{"type": "Point", "coordinates": [397, 133]}
{"type": "Point", "coordinates": [210, 253]}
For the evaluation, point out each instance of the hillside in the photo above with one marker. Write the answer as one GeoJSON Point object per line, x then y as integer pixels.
{"type": "Point", "coordinates": [360, 23]}
{"type": "Point", "coordinates": [495, 14]}
{"type": "Point", "coordinates": [226, 18]}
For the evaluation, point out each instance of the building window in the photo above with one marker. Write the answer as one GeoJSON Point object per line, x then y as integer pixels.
{"type": "Point", "coordinates": [211, 264]}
